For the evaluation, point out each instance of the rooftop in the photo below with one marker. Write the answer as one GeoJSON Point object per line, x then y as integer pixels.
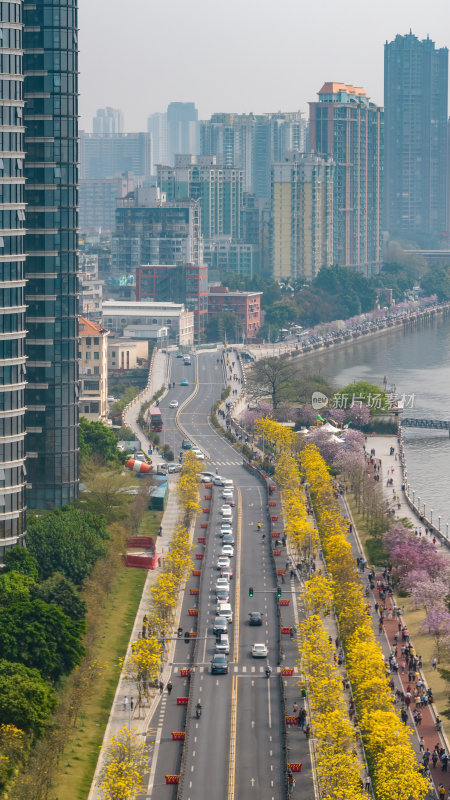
{"type": "Point", "coordinates": [336, 88]}
{"type": "Point", "coordinates": [88, 328]}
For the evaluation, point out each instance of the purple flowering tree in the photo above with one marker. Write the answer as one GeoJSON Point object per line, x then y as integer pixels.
{"type": "Point", "coordinates": [424, 592]}
{"type": "Point", "coordinates": [306, 415]}
{"type": "Point", "coordinates": [358, 414]}
{"type": "Point", "coordinates": [437, 623]}
{"type": "Point", "coordinates": [327, 446]}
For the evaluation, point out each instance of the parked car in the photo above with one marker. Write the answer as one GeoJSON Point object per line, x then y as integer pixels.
{"type": "Point", "coordinates": [259, 650]}
{"type": "Point", "coordinates": [223, 644]}
{"type": "Point", "coordinates": [228, 550]}
{"type": "Point", "coordinates": [226, 572]}
{"type": "Point", "coordinates": [219, 664]}
{"type": "Point", "coordinates": [222, 584]}
{"type": "Point", "coordinates": [220, 625]}
{"type": "Point", "coordinates": [228, 538]}
{"type": "Point", "coordinates": [225, 610]}
{"type": "Point", "coordinates": [223, 561]}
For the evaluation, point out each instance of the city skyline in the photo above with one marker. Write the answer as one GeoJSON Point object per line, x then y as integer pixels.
{"type": "Point", "coordinates": [333, 45]}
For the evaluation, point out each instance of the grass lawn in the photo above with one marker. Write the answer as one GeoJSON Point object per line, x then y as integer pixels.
{"type": "Point", "coordinates": [150, 523]}
{"type": "Point", "coordinates": [423, 644]}
{"type": "Point", "coordinates": [79, 760]}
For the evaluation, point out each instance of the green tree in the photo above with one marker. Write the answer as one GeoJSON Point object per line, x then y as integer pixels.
{"type": "Point", "coordinates": [61, 592]}
{"type": "Point", "coordinates": [270, 377]}
{"type": "Point", "coordinates": [19, 559]}
{"type": "Point", "coordinates": [108, 492]}
{"type": "Point", "coordinates": [437, 282]}
{"type": "Point", "coordinates": [224, 326]}
{"type": "Point", "coordinates": [97, 442]}
{"type": "Point", "coordinates": [369, 393]}
{"type": "Point", "coordinates": [14, 585]}
{"type": "Point", "coordinates": [67, 540]}
{"type": "Point", "coordinates": [40, 635]}
{"type": "Point", "coordinates": [26, 700]}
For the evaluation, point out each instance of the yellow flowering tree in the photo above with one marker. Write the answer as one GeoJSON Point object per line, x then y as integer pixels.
{"type": "Point", "coordinates": [124, 768]}
{"type": "Point", "coordinates": [142, 664]}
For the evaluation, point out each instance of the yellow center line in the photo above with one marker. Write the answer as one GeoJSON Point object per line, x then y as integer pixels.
{"type": "Point", "coordinates": [232, 753]}
{"type": "Point", "coordinates": [237, 573]}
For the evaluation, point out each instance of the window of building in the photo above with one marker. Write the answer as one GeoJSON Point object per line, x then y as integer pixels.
{"type": "Point", "coordinates": [96, 356]}
{"type": "Point", "coordinates": [88, 341]}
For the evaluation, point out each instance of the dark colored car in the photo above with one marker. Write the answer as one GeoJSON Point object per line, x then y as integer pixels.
{"type": "Point", "coordinates": [186, 444]}
{"type": "Point", "coordinates": [219, 664]}
{"type": "Point", "coordinates": [255, 618]}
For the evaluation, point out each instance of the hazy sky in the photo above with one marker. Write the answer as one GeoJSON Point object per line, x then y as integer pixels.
{"type": "Point", "coordinates": [238, 55]}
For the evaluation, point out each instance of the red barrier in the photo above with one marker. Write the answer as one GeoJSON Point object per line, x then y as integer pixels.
{"type": "Point", "coordinates": [207, 496]}
{"type": "Point", "coordinates": [146, 562]}
{"type": "Point", "coordinates": [193, 612]}
{"type": "Point", "coordinates": [196, 572]}
{"type": "Point", "coordinates": [194, 591]}
{"type": "Point", "coordinates": [296, 766]}
{"type": "Point", "coordinates": [287, 671]}
{"type": "Point", "coordinates": [140, 541]}
{"type": "Point", "coordinates": [185, 672]}
{"type": "Point", "coordinates": [206, 510]}
{"type": "Point", "coordinates": [203, 524]}
{"type": "Point", "coordinates": [272, 503]}
{"type": "Point", "coordinates": [201, 539]}
{"type": "Point", "coordinates": [208, 485]}
{"type": "Point", "coordinates": [274, 519]}
{"type": "Point", "coordinates": [275, 535]}
{"type": "Point", "coordinates": [291, 721]}
{"type": "Point", "coordinates": [182, 701]}
{"type": "Point", "coordinates": [285, 602]}
{"type": "Point", "coordinates": [193, 634]}
{"type": "Point", "coordinates": [285, 630]}
{"type": "Point", "coordinates": [172, 778]}
{"type": "Point", "coordinates": [277, 552]}
{"type": "Point", "coordinates": [281, 572]}
{"type": "Point", "coordinates": [178, 736]}
{"type": "Point", "coordinates": [199, 556]}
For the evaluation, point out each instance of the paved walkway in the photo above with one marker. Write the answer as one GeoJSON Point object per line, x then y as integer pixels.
{"type": "Point", "coordinates": [124, 710]}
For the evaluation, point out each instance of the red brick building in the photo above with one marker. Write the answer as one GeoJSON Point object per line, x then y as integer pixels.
{"type": "Point", "coordinates": [246, 306]}
{"type": "Point", "coordinates": [186, 284]}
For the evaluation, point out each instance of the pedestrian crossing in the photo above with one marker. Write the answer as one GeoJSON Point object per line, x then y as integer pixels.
{"type": "Point", "coordinates": [227, 463]}
{"type": "Point", "coordinates": [235, 668]}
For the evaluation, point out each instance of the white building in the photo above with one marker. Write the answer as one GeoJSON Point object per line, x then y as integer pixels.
{"type": "Point", "coordinates": [93, 364]}
{"type": "Point", "coordinates": [165, 322]}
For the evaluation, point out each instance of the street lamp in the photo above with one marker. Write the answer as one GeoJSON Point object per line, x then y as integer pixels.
{"type": "Point", "coordinates": [439, 526]}
{"type": "Point", "coordinates": [413, 495]}
{"type": "Point", "coordinates": [431, 516]}
{"type": "Point", "coordinates": [424, 509]}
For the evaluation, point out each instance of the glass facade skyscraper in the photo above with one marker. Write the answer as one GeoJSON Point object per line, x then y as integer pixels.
{"type": "Point", "coordinates": [51, 121]}
{"type": "Point", "coordinates": [12, 306]}
{"type": "Point", "coordinates": [415, 168]}
{"type": "Point", "coordinates": [345, 125]}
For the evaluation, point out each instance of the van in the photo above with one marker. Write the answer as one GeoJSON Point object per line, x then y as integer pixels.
{"type": "Point", "coordinates": [225, 610]}
{"type": "Point", "coordinates": [227, 513]}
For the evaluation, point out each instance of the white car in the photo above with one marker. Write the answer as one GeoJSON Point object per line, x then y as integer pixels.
{"type": "Point", "coordinates": [228, 550]}
{"type": "Point", "coordinates": [259, 650]}
{"type": "Point", "coordinates": [226, 511]}
{"type": "Point", "coordinates": [222, 584]}
{"type": "Point", "coordinates": [206, 477]}
{"type": "Point", "coordinates": [198, 453]}
{"type": "Point", "coordinates": [218, 480]}
{"type": "Point", "coordinates": [223, 644]}
{"type": "Point", "coordinates": [173, 404]}
{"type": "Point", "coordinates": [227, 494]}
{"type": "Point", "coordinates": [223, 561]}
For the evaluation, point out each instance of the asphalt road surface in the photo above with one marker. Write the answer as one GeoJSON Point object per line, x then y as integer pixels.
{"type": "Point", "coordinates": [235, 749]}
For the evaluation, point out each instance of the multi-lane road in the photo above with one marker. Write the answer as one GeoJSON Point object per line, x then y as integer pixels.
{"type": "Point", "coordinates": [235, 749]}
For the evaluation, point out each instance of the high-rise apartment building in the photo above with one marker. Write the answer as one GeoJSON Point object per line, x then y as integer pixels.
{"type": "Point", "coordinates": [302, 217]}
{"type": "Point", "coordinates": [252, 143]}
{"type": "Point", "coordinates": [153, 232]}
{"type": "Point", "coordinates": [219, 190]}
{"type": "Point", "coordinates": [157, 127]}
{"type": "Point", "coordinates": [415, 171]}
{"type": "Point", "coordinates": [110, 154]}
{"type": "Point", "coordinates": [12, 304]}
{"type": "Point", "coordinates": [51, 122]}
{"type": "Point", "coordinates": [347, 127]}
{"type": "Point", "coordinates": [108, 120]}
{"type": "Point", "coordinates": [182, 130]}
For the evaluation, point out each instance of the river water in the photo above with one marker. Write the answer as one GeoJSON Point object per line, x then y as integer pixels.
{"type": "Point", "coordinates": [418, 363]}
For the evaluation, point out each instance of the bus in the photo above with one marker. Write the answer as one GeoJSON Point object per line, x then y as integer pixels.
{"type": "Point", "coordinates": [156, 422]}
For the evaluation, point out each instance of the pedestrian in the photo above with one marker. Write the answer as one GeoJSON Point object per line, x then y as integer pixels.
{"type": "Point", "coordinates": [295, 708]}
{"type": "Point", "coordinates": [368, 784]}
{"type": "Point", "coordinates": [161, 687]}
{"type": "Point", "coordinates": [421, 745]}
{"type": "Point", "coordinates": [444, 761]}
{"type": "Point", "coordinates": [434, 758]}
{"type": "Point", "coordinates": [434, 663]}
{"type": "Point", "coordinates": [169, 687]}
{"type": "Point", "coordinates": [131, 703]}
{"type": "Point", "coordinates": [441, 791]}
{"type": "Point", "coordinates": [125, 702]}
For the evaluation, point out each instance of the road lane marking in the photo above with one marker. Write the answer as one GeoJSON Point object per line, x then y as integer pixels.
{"type": "Point", "coordinates": [232, 752]}
{"type": "Point", "coordinates": [268, 701]}
{"type": "Point", "coordinates": [237, 597]}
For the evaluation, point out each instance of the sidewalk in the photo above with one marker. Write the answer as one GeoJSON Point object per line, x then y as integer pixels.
{"type": "Point", "coordinates": [158, 377]}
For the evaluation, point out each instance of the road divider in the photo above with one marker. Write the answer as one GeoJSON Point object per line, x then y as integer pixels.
{"type": "Point", "coordinates": [237, 599]}
{"type": "Point", "coordinates": [233, 733]}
